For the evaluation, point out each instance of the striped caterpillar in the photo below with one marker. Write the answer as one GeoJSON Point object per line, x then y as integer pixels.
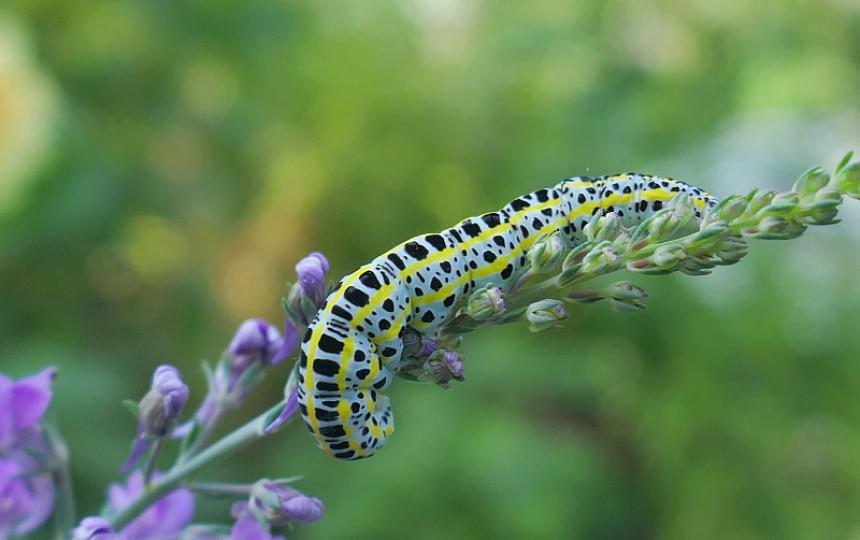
{"type": "Point", "coordinates": [353, 347]}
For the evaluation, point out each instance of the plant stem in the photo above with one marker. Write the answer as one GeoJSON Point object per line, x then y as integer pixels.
{"type": "Point", "coordinates": [202, 437]}
{"type": "Point", "coordinates": [65, 512]}
{"type": "Point", "coordinates": [219, 489]}
{"type": "Point", "coordinates": [179, 474]}
{"type": "Point", "coordinates": [152, 460]}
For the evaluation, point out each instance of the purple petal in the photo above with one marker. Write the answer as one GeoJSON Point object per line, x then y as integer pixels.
{"type": "Point", "coordinates": [141, 444]}
{"type": "Point", "coordinates": [290, 340]}
{"type": "Point", "coordinates": [289, 409]}
{"type": "Point", "coordinates": [29, 398]}
{"type": "Point", "coordinates": [322, 259]}
{"type": "Point", "coordinates": [304, 509]}
{"type": "Point", "coordinates": [248, 528]}
{"type": "Point", "coordinates": [162, 521]}
{"type": "Point", "coordinates": [250, 337]}
{"type": "Point", "coordinates": [28, 500]}
{"type": "Point", "coordinates": [95, 528]}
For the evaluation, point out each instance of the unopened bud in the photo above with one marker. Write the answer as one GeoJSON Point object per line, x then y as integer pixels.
{"type": "Point", "coordinates": [824, 215]}
{"type": "Point", "coordinates": [781, 204]}
{"type": "Point", "coordinates": [311, 272]}
{"type": "Point", "coordinates": [160, 407]}
{"type": "Point", "coordinates": [732, 250]}
{"type": "Point", "coordinates": [280, 504]}
{"type": "Point", "coordinates": [605, 227]}
{"type": "Point", "coordinates": [772, 224]}
{"type": "Point", "coordinates": [545, 255]}
{"type": "Point", "coordinates": [255, 341]}
{"type": "Point", "coordinates": [683, 207]}
{"type": "Point", "coordinates": [669, 256]}
{"type": "Point", "coordinates": [545, 314]}
{"type": "Point", "coordinates": [484, 303]}
{"type": "Point", "coordinates": [758, 200]}
{"type": "Point", "coordinates": [731, 208]}
{"type": "Point", "coordinates": [601, 259]}
{"type": "Point", "coordinates": [848, 180]}
{"type": "Point", "coordinates": [95, 528]}
{"type": "Point", "coordinates": [811, 181]}
{"type": "Point", "coordinates": [624, 290]}
{"type": "Point", "coordinates": [300, 307]}
{"type": "Point", "coordinates": [830, 194]}
{"type": "Point", "coordinates": [445, 366]}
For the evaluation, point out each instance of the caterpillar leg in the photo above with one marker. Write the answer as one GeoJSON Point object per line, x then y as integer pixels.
{"type": "Point", "coordinates": [371, 422]}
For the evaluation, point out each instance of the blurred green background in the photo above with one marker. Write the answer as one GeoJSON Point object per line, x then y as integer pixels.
{"type": "Point", "coordinates": [164, 164]}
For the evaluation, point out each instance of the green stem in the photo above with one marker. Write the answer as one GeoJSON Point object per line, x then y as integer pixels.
{"type": "Point", "coordinates": [203, 437]}
{"type": "Point", "coordinates": [219, 489]}
{"type": "Point", "coordinates": [65, 512]}
{"type": "Point", "coordinates": [229, 444]}
{"type": "Point", "coordinates": [152, 460]}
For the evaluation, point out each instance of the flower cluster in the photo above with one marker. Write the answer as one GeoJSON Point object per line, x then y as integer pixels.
{"type": "Point", "coordinates": [149, 505]}
{"type": "Point", "coordinates": [29, 453]}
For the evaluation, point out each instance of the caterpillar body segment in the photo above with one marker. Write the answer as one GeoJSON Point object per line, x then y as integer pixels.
{"type": "Point", "coordinates": [352, 349]}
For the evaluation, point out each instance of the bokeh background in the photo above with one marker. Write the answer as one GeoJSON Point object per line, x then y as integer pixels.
{"type": "Point", "coordinates": [163, 165]}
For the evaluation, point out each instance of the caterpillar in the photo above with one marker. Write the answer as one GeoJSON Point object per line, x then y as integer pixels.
{"type": "Point", "coordinates": [352, 348]}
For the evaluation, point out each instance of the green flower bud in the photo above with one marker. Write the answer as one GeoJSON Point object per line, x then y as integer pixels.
{"type": "Point", "coordinates": [732, 250]}
{"type": "Point", "coordinates": [848, 180]}
{"type": "Point", "coordinates": [300, 308]}
{"type": "Point", "coordinates": [624, 296]}
{"type": "Point", "coordinates": [731, 208]}
{"type": "Point", "coordinates": [606, 227]}
{"type": "Point", "coordinates": [811, 181]}
{"type": "Point", "coordinates": [545, 314]}
{"type": "Point", "coordinates": [772, 224]}
{"type": "Point", "coordinates": [660, 226]}
{"type": "Point", "coordinates": [668, 257]}
{"type": "Point", "coordinates": [545, 255]}
{"type": "Point", "coordinates": [824, 215]}
{"type": "Point", "coordinates": [485, 303]}
{"type": "Point", "coordinates": [698, 265]}
{"type": "Point", "coordinates": [829, 194]}
{"type": "Point", "coordinates": [758, 200]}
{"type": "Point", "coordinates": [603, 258]}
{"type": "Point", "coordinates": [712, 234]}
{"type": "Point", "coordinates": [781, 204]}
{"type": "Point", "coordinates": [574, 259]}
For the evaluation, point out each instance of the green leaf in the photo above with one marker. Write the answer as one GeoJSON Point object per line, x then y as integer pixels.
{"type": "Point", "coordinates": [132, 406]}
{"type": "Point", "coordinates": [191, 438]}
{"type": "Point", "coordinates": [845, 160]}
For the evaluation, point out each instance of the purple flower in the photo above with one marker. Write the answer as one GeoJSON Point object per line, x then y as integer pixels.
{"type": "Point", "coordinates": [26, 499]}
{"type": "Point", "coordinates": [95, 528]}
{"type": "Point", "coordinates": [159, 409]}
{"type": "Point", "coordinates": [445, 366]}
{"type": "Point", "coordinates": [280, 504]}
{"type": "Point", "coordinates": [26, 488]}
{"type": "Point", "coordinates": [454, 363]}
{"type": "Point", "coordinates": [255, 345]}
{"type": "Point", "coordinates": [22, 405]}
{"type": "Point", "coordinates": [311, 272]}
{"type": "Point", "coordinates": [254, 341]}
{"type": "Point", "coordinates": [247, 527]}
{"type": "Point", "coordinates": [161, 521]}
